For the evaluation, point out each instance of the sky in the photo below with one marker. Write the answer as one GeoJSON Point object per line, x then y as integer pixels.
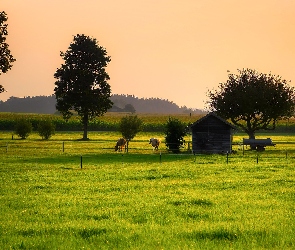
{"type": "Point", "coordinates": [168, 49]}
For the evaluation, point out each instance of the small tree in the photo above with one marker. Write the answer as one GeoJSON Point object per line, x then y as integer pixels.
{"type": "Point", "coordinates": [81, 84]}
{"type": "Point", "coordinates": [6, 59]}
{"type": "Point", "coordinates": [175, 130]}
{"type": "Point", "coordinates": [46, 129]}
{"type": "Point", "coordinates": [129, 126]}
{"type": "Point", "coordinates": [23, 128]}
{"type": "Point", "coordinates": [253, 101]}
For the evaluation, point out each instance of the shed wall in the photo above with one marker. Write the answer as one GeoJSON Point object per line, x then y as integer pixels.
{"type": "Point", "coordinates": [211, 136]}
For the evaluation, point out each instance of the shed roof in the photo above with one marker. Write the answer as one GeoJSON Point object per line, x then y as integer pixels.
{"type": "Point", "coordinates": [214, 115]}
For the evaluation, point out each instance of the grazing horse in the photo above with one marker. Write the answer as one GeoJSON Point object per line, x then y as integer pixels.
{"type": "Point", "coordinates": [120, 144]}
{"type": "Point", "coordinates": [155, 143]}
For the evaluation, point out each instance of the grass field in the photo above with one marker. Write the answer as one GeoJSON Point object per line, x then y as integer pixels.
{"type": "Point", "coordinates": [69, 194]}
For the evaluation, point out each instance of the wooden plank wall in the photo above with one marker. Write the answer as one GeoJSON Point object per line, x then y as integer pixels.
{"type": "Point", "coordinates": [211, 136]}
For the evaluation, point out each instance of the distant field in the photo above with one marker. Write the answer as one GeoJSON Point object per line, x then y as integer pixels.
{"type": "Point", "coordinates": [70, 194]}
{"type": "Point", "coordinates": [107, 122]}
{"type": "Point", "coordinates": [110, 121]}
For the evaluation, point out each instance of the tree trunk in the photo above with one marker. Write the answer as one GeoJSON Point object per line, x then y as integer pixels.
{"type": "Point", "coordinates": [126, 149]}
{"type": "Point", "coordinates": [85, 127]}
{"type": "Point", "coordinates": [252, 136]}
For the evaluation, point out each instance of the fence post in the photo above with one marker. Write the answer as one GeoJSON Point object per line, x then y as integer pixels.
{"type": "Point", "coordinates": [7, 147]}
{"type": "Point", "coordinates": [63, 146]}
{"type": "Point", "coordinates": [227, 157]}
{"type": "Point", "coordinates": [81, 162]}
{"type": "Point", "coordinates": [160, 157]}
{"type": "Point", "coordinates": [257, 159]}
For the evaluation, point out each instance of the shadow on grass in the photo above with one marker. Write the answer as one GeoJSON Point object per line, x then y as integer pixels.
{"type": "Point", "coordinates": [193, 202]}
{"type": "Point", "coordinates": [219, 234]}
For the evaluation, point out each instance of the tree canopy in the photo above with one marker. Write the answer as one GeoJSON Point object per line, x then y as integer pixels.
{"type": "Point", "coordinates": [6, 59]}
{"type": "Point", "coordinates": [82, 81]}
{"type": "Point", "coordinates": [253, 101]}
{"type": "Point", "coordinates": [129, 126]}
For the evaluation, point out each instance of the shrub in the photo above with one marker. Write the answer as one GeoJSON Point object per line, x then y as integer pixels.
{"type": "Point", "coordinates": [175, 130]}
{"type": "Point", "coordinates": [46, 129]}
{"type": "Point", "coordinates": [23, 128]}
{"type": "Point", "coordinates": [129, 126]}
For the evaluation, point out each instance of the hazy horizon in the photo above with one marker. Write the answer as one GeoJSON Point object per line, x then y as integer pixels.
{"type": "Point", "coordinates": [113, 94]}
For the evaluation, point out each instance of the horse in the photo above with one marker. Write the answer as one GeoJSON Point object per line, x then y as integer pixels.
{"type": "Point", "coordinates": [120, 144]}
{"type": "Point", "coordinates": [155, 143]}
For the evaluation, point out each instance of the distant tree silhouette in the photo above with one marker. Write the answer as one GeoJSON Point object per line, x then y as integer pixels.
{"type": "Point", "coordinates": [36, 104]}
{"type": "Point", "coordinates": [129, 108]}
{"type": "Point", "coordinates": [6, 59]}
{"type": "Point", "coordinates": [46, 105]}
{"type": "Point", "coordinates": [149, 105]}
{"type": "Point", "coordinates": [81, 84]}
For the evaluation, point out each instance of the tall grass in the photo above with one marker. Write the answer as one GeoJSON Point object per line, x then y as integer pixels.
{"type": "Point", "coordinates": [143, 199]}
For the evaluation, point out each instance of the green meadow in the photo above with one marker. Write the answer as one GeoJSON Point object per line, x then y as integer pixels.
{"type": "Point", "coordinates": [65, 193]}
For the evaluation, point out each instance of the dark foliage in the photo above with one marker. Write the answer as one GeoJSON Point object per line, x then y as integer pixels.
{"type": "Point", "coordinates": [81, 85]}
{"type": "Point", "coordinates": [175, 131]}
{"type": "Point", "coordinates": [6, 59]}
{"type": "Point", "coordinates": [253, 101]}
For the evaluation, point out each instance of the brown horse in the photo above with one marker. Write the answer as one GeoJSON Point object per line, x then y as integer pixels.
{"type": "Point", "coordinates": [155, 143]}
{"type": "Point", "coordinates": [120, 144]}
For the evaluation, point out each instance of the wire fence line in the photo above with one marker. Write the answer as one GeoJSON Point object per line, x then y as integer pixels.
{"type": "Point", "coordinates": [93, 149]}
{"type": "Point", "coordinates": [110, 144]}
{"type": "Point", "coordinates": [97, 144]}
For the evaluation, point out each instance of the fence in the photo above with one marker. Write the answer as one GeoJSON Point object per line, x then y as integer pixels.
{"type": "Point", "coordinates": [142, 151]}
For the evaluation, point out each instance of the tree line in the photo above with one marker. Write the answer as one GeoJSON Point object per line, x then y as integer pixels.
{"type": "Point", "coordinates": [121, 103]}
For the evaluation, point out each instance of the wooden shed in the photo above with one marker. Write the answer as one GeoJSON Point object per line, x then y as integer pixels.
{"type": "Point", "coordinates": [212, 134]}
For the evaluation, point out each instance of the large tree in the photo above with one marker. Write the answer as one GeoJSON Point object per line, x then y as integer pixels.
{"type": "Point", "coordinates": [253, 101]}
{"type": "Point", "coordinates": [81, 84]}
{"type": "Point", "coordinates": [6, 59]}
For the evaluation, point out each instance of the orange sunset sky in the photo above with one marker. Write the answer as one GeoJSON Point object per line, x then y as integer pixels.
{"type": "Point", "coordinates": [170, 49]}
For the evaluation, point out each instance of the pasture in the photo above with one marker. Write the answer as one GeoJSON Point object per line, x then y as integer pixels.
{"type": "Point", "coordinates": [70, 194]}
